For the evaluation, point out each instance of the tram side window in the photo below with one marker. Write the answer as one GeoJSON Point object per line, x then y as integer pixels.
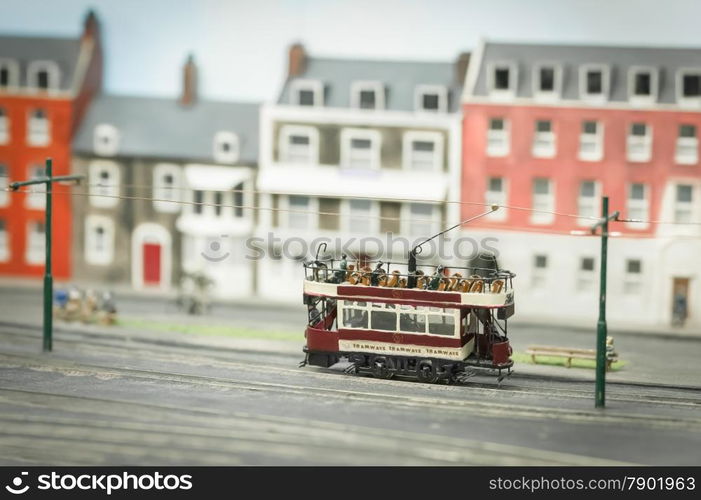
{"type": "Point", "coordinates": [412, 323]}
{"type": "Point", "coordinates": [355, 315]}
{"type": "Point", "coordinates": [384, 317]}
{"type": "Point", "coordinates": [441, 324]}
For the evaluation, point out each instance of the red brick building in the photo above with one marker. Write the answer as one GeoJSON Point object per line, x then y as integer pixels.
{"type": "Point", "coordinates": [46, 85]}
{"type": "Point", "coordinates": [554, 128]}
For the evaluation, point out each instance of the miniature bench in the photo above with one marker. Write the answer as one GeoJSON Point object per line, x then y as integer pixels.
{"type": "Point", "coordinates": [569, 354]}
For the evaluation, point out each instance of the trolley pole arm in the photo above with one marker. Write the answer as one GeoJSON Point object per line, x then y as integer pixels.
{"type": "Point", "coordinates": [411, 282]}
{"type": "Point", "coordinates": [45, 180]}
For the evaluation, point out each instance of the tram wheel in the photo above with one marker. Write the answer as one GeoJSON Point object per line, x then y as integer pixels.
{"type": "Point", "coordinates": [380, 369]}
{"type": "Point", "coordinates": [425, 372]}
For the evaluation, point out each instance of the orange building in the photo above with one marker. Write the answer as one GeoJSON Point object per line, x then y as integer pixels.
{"type": "Point", "coordinates": [46, 85]}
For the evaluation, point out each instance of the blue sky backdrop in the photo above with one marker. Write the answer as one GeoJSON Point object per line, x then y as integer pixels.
{"type": "Point", "coordinates": [240, 45]}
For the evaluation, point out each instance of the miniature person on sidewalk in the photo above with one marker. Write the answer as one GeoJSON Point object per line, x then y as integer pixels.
{"type": "Point", "coordinates": [340, 275]}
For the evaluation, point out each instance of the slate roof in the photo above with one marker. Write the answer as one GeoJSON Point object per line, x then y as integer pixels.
{"type": "Point", "coordinates": [151, 127]}
{"type": "Point", "coordinates": [571, 57]}
{"type": "Point", "coordinates": [24, 49]}
{"type": "Point", "coordinates": [399, 77]}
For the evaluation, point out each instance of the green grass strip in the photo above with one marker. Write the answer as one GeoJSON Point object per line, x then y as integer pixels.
{"type": "Point", "coordinates": [215, 330]}
{"type": "Point", "coordinates": [521, 357]}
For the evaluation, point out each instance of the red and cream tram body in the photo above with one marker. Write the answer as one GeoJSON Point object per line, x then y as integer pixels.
{"type": "Point", "coordinates": [433, 327]}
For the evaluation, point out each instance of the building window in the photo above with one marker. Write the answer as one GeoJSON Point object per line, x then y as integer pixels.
{"type": "Point", "coordinates": [4, 127]}
{"type": "Point", "coordinates": [639, 142]}
{"type": "Point", "coordinates": [594, 82]}
{"type": "Point", "coordinates": [299, 215]}
{"type": "Point", "coordinates": [36, 197]}
{"type": "Point", "coordinates": [687, 150]}
{"type": "Point", "coordinates": [367, 95]}
{"type": "Point", "coordinates": [167, 188]}
{"type": "Point", "coordinates": [633, 282]}
{"type": "Point", "coordinates": [106, 139]}
{"type": "Point", "coordinates": [642, 85]}
{"type": "Point", "coordinates": [637, 205]}
{"type": "Point", "coordinates": [689, 87]}
{"type": "Point", "coordinates": [543, 201]}
{"type": "Point", "coordinates": [99, 240]}
{"type": "Point", "coordinates": [39, 128]}
{"type": "Point", "coordinates": [104, 178]}
{"type": "Point", "coordinates": [306, 93]}
{"type": "Point", "coordinates": [586, 277]}
{"type": "Point", "coordinates": [423, 219]}
{"type": "Point", "coordinates": [591, 141]}
{"type": "Point", "coordinates": [547, 81]}
{"type": "Point", "coordinates": [4, 182]}
{"type": "Point", "coordinates": [239, 200]}
{"type": "Point", "coordinates": [543, 139]}
{"type": "Point", "coordinates": [9, 74]}
{"type": "Point", "coordinates": [432, 98]}
{"type": "Point", "coordinates": [218, 203]}
{"type": "Point", "coordinates": [390, 217]}
{"type": "Point", "coordinates": [540, 269]}
{"type": "Point", "coordinates": [226, 147]}
{"type": "Point", "coordinates": [197, 202]}
{"type": "Point", "coordinates": [359, 216]}
{"type": "Point", "coordinates": [587, 202]}
{"type": "Point", "coordinates": [43, 75]}
{"type": "Point", "coordinates": [496, 195]}
{"type": "Point", "coordinates": [502, 78]}
{"type": "Point", "coordinates": [299, 145]}
{"type": "Point", "coordinates": [423, 151]}
{"type": "Point", "coordinates": [683, 208]}
{"type": "Point", "coordinates": [360, 149]}
{"type": "Point", "coordinates": [35, 243]}
{"type": "Point", "coordinates": [4, 242]}
{"type": "Point", "coordinates": [498, 139]}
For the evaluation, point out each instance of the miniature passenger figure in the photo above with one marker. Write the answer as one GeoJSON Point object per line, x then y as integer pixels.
{"type": "Point", "coordinates": [375, 278]}
{"type": "Point", "coordinates": [436, 278]}
{"type": "Point", "coordinates": [340, 275]}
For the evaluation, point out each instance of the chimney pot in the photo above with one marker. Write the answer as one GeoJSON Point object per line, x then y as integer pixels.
{"type": "Point", "coordinates": [297, 60]}
{"type": "Point", "coordinates": [189, 90]}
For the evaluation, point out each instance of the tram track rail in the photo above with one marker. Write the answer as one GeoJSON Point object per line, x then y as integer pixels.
{"type": "Point", "coordinates": [371, 394]}
{"type": "Point", "coordinates": [110, 342]}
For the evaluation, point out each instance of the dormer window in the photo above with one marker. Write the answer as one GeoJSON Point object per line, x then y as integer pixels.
{"type": "Point", "coordinates": [106, 139]}
{"type": "Point", "coordinates": [594, 82]}
{"type": "Point", "coordinates": [547, 81]}
{"type": "Point", "coordinates": [689, 87]}
{"type": "Point", "coordinates": [226, 147]}
{"type": "Point", "coordinates": [9, 74]}
{"type": "Point", "coordinates": [642, 85]}
{"type": "Point", "coordinates": [502, 79]}
{"type": "Point", "coordinates": [39, 130]}
{"type": "Point", "coordinates": [433, 98]}
{"type": "Point", "coordinates": [367, 95]}
{"type": "Point", "coordinates": [306, 93]}
{"type": "Point", "coordinates": [43, 75]}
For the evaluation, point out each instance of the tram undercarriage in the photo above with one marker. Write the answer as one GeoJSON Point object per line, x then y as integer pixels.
{"type": "Point", "coordinates": [427, 370]}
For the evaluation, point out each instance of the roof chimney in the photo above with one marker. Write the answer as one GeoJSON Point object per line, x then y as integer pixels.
{"type": "Point", "coordinates": [461, 64]}
{"type": "Point", "coordinates": [91, 26]}
{"type": "Point", "coordinates": [297, 60]}
{"type": "Point", "coordinates": [189, 90]}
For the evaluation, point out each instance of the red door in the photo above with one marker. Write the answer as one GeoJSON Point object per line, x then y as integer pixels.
{"type": "Point", "coordinates": [152, 264]}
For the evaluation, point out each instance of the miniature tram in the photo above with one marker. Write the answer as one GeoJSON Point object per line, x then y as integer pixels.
{"type": "Point", "coordinates": [431, 324]}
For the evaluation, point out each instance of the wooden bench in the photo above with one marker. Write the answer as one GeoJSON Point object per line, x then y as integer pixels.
{"type": "Point", "coordinates": [569, 354]}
